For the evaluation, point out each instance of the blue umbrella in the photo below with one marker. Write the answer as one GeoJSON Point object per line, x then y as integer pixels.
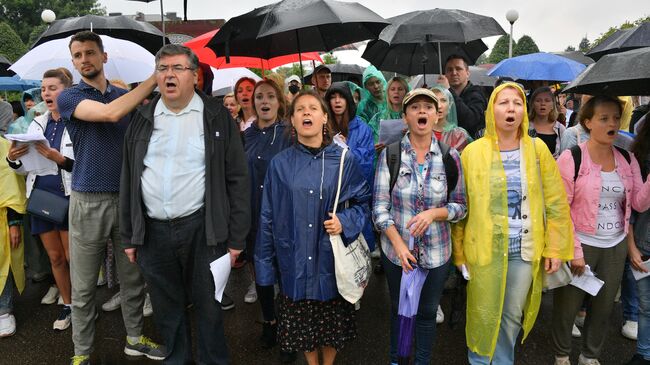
{"type": "Point", "coordinates": [538, 66]}
{"type": "Point", "coordinates": [15, 83]}
{"type": "Point", "coordinates": [409, 299]}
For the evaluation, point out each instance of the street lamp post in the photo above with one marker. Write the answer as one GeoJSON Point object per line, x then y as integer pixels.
{"type": "Point", "coordinates": [48, 16]}
{"type": "Point", "coordinates": [512, 15]}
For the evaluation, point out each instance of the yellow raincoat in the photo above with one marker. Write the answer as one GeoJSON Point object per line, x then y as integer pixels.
{"type": "Point", "coordinates": [12, 195]}
{"type": "Point", "coordinates": [480, 241]}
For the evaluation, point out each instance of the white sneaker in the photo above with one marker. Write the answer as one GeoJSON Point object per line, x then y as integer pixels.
{"type": "Point", "coordinates": [63, 322]}
{"type": "Point", "coordinates": [562, 360]}
{"type": "Point", "coordinates": [251, 294]}
{"type": "Point", "coordinates": [630, 330]}
{"type": "Point", "coordinates": [51, 295]}
{"type": "Point", "coordinates": [60, 301]}
{"type": "Point", "coordinates": [7, 325]}
{"type": "Point", "coordinates": [147, 309]}
{"type": "Point", "coordinates": [375, 254]}
{"type": "Point", "coordinates": [579, 321]}
{"type": "Point", "coordinates": [440, 315]}
{"type": "Point", "coordinates": [575, 331]}
{"type": "Point", "coordinates": [587, 361]}
{"type": "Point", "coordinates": [113, 303]}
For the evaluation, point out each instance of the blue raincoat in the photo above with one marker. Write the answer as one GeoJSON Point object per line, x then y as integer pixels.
{"type": "Point", "coordinates": [299, 192]}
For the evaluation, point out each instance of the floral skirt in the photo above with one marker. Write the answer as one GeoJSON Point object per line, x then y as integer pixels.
{"type": "Point", "coordinates": [305, 325]}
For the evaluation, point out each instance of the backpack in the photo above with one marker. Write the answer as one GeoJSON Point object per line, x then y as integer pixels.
{"type": "Point", "coordinates": [394, 160]}
{"type": "Point", "coordinates": [576, 153]}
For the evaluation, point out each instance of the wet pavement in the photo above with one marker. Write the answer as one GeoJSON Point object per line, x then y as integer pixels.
{"type": "Point", "coordinates": [36, 343]}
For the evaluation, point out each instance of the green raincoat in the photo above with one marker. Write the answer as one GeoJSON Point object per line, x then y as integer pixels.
{"type": "Point", "coordinates": [452, 134]}
{"type": "Point", "coordinates": [385, 114]}
{"type": "Point", "coordinates": [369, 106]}
{"type": "Point", "coordinates": [547, 233]}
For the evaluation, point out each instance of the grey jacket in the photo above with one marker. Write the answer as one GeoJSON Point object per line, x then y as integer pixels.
{"type": "Point", "coordinates": [227, 195]}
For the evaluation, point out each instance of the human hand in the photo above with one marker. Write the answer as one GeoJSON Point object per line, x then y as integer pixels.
{"type": "Point", "coordinates": [552, 265]}
{"type": "Point", "coordinates": [49, 153]}
{"type": "Point", "coordinates": [16, 152]}
{"type": "Point", "coordinates": [131, 254]}
{"type": "Point", "coordinates": [578, 266]}
{"type": "Point", "coordinates": [405, 256]}
{"type": "Point", "coordinates": [421, 222]}
{"type": "Point", "coordinates": [442, 80]}
{"type": "Point", "coordinates": [14, 236]}
{"type": "Point", "coordinates": [379, 147]}
{"type": "Point", "coordinates": [635, 259]}
{"type": "Point", "coordinates": [234, 254]}
{"type": "Point", "coordinates": [333, 226]}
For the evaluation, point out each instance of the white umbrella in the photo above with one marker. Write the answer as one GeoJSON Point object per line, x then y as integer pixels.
{"type": "Point", "coordinates": [127, 61]}
{"type": "Point", "coordinates": [225, 79]}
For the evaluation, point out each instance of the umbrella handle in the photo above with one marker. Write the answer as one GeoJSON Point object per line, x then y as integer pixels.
{"type": "Point", "coordinates": [439, 57]}
{"type": "Point", "coordinates": [302, 76]}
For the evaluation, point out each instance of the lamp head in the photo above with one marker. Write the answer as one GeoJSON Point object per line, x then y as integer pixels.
{"type": "Point", "coordinates": [512, 15]}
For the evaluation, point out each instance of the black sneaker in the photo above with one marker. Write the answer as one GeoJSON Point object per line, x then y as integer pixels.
{"type": "Point", "coordinates": [269, 334]}
{"type": "Point", "coordinates": [227, 303]}
{"type": "Point", "coordinates": [287, 357]}
{"type": "Point", "coordinates": [638, 360]}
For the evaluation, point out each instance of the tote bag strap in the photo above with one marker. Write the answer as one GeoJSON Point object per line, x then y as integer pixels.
{"type": "Point", "coordinates": [338, 188]}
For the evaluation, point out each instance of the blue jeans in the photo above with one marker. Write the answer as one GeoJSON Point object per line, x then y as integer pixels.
{"type": "Point", "coordinates": [643, 337]}
{"type": "Point", "coordinates": [518, 283]}
{"type": "Point", "coordinates": [629, 297]}
{"type": "Point", "coordinates": [425, 320]}
{"type": "Point", "coordinates": [175, 261]}
{"type": "Point", "coordinates": [7, 296]}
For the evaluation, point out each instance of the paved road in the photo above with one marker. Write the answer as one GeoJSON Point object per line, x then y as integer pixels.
{"type": "Point", "coordinates": [36, 343]}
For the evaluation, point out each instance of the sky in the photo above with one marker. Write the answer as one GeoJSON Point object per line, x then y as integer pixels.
{"type": "Point", "coordinates": [553, 24]}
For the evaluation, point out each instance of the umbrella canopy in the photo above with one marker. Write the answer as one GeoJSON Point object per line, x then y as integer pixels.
{"type": "Point", "coordinates": [414, 58]}
{"type": "Point", "coordinates": [4, 67]}
{"type": "Point", "coordinates": [206, 55]}
{"type": "Point", "coordinates": [538, 66]}
{"type": "Point", "coordinates": [292, 26]}
{"type": "Point", "coordinates": [576, 56]}
{"type": "Point", "coordinates": [127, 61]}
{"type": "Point", "coordinates": [162, 17]}
{"type": "Point", "coordinates": [625, 73]}
{"type": "Point", "coordinates": [122, 27]}
{"type": "Point", "coordinates": [622, 40]}
{"type": "Point", "coordinates": [225, 79]}
{"type": "Point", "coordinates": [477, 76]}
{"type": "Point", "coordinates": [15, 83]}
{"type": "Point", "coordinates": [341, 72]}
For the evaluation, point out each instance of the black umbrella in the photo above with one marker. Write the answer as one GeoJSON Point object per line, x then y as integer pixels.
{"type": "Point", "coordinates": [421, 30]}
{"type": "Point", "coordinates": [123, 27]}
{"type": "Point", "coordinates": [622, 40]}
{"type": "Point", "coordinates": [4, 67]}
{"type": "Point", "coordinates": [415, 59]}
{"type": "Point", "coordinates": [477, 76]}
{"type": "Point", "coordinates": [292, 26]}
{"type": "Point", "coordinates": [576, 56]}
{"type": "Point", "coordinates": [625, 73]}
{"type": "Point", "coordinates": [341, 72]}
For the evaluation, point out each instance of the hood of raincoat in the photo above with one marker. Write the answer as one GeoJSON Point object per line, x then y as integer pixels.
{"type": "Point", "coordinates": [344, 90]}
{"type": "Point", "coordinates": [354, 88]}
{"type": "Point", "coordinates": [368, 105]}
{"type": "Point", "coordinates": [481, 240]}
{"type": "Point", "coordinates": [34, 94]}
{"type": "Point", "coordinates": [371, 71]}
{"type": "Point", "coordinates": [452, 115]}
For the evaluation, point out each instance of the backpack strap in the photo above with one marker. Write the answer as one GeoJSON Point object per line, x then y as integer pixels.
{"type": "Point", "coordinates": [576, 153]}
{"type": "Point", "coordinates": [393, 160]}
{"type": "Point", "coordinates": [625, 154]}
{"type": "Point", "coordinates": [451, 169]}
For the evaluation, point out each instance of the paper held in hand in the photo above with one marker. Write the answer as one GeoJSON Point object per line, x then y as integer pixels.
{"type": "Point", "coordinates": [390, 130]}
{"type": "Point", "coordinates": [638, 275]}
{"type": "Point", "coordinates": [220, 269]}
{"type": "Point", "coordinates": [33, 161]}
{"type": "Point", "coordinates": [587, 282]}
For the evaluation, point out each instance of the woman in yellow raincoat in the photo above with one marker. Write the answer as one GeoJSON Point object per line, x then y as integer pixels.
{"type": "Point", "coordinates": [12, 272]}
{"type": "Point", "coordinates": [517, 225]}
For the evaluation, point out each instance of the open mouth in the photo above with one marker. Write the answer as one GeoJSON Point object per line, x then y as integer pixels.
{"type": "Point", "coordinates": [49, 102]}
{"type": "Point", "coordinates": [307, 123]}
{"type": "Point", "coordinates": [611, 132]}
{"type": "Point", "coordinates": [265, 109]}
{"type": "Point", "coordinates": [170, 85]}
{"type": "Point", "coordinates": [245, 100]}
{"type": "Point", "coordinates": [422, 121]}
{"type": "Point", "coordinates": [510, 120]}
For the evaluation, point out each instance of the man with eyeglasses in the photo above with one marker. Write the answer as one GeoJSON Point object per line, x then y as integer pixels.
{"type": "Point", "coordinates": [184, 202]}
{"type": "Point", "coordinates": [96, 115]}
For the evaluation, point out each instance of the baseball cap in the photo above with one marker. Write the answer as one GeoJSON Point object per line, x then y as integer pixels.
{"type": "Point", "coordinates": [419, 92]}
{"type": "Point", "coordinates": [320, 68]}
{"type": "Point", "coordinates": [295, 78]}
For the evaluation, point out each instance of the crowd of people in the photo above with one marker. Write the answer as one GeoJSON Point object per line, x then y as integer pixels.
{"type": "Point", "coordinates": [156, 185]}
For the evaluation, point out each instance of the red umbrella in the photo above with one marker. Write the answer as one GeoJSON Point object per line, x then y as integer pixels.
{"type": "Point", "coordinates": [206, 55]}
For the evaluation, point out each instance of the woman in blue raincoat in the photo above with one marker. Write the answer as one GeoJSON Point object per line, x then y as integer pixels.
{"type": "Point", "coordinates": [357, 135]}
{"type": "Point", "coordinates": [295, 224]}
{"type": "Point", "coordinates": [264, 139]}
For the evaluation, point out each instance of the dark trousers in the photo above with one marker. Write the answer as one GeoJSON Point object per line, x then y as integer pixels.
{"type": "Point", "coordinates": [175, 261]}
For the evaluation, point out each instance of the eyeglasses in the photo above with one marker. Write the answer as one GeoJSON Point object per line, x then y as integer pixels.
{"type": "Point", "coordinates": [175, 68]}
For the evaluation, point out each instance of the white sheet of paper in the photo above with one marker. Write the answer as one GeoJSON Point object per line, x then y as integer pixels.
{"type": "Point", "coordinates": [32, 160]}
{"type": "Point", "coordinates": [638, 275]}
{"type": "Point", "coordinates": [220, 269]}
{"type": "Point", "coordinates": [338, 139]}
{"type": "Point", "coordinates": [390, 130]}
{"type": "Point", "coordinates": [464, 271]}
{"type": "Point", "coordinates": [587, 282]}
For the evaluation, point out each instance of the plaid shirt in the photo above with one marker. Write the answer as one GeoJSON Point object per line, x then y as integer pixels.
{"type": "Point", "coordinates": [414, 192]}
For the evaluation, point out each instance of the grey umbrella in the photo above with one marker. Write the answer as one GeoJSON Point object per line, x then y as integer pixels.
{"type": "Point", "coordinates": [341, 72]}
{"type": "Point", "coordinates": [624, 73]}
{"type": "Point", "coordinates": [622, 40]}
{"type": "Point", "coordinates": [576, 56]}
{"type": "Point", "coordinates": [4, 67]}
{"type": "Point", "coordinates": [122, 27]}
{"type": "Point", "coordinates": [477, 76]}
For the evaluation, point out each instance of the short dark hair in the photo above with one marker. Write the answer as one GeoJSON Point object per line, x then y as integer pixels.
{"type": "Point", "coordinates": [458, 57]}
{"type": "Point", "coordinates": [589, 108]}
{"type": "Point", "coordinates": [59, 74]}
{"type": "Point", "coordinates": [87, 36]}
{"type": "Point", "coordinates": [177, 49]}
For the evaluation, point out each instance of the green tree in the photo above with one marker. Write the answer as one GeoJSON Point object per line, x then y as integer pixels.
{"type": "Point", "coordinates": [10, 44]}
{"type": "Point", "coordinates": [584, 45]}
{"type": "Point", "coordinates": [570, 49]}
{"type": "Point", "coordinates": [24, 15]}
{"type": "Point", "coordinates": [329, 59]}
{"type": "Point", "coordinates": [35, 33]}
{"type": "Point", "coordinates": [525, 45]}
{"type": "Point", "coordinates": [500, 49]}
{"type": "Point", "coordinates": [481, 59]}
